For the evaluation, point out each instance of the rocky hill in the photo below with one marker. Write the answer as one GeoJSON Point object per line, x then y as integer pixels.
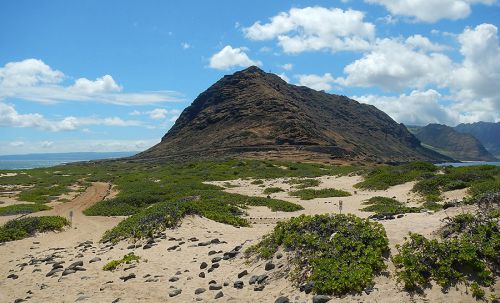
{"type": "Point", "coordinates": [450, 142]}
{"type": "Point", "coordinates": [488, 133]}
{"type": "Point", "coordinates": [256, 114]}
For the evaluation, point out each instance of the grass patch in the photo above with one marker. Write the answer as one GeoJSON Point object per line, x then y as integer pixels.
{"type": "Point", "coordinates": [388, 206]}
{"type": "Point", "coordinates": [17, 209]}
{"type": "Point", "coordinates": [309, 194]}
{"type": "Point", "coordinates": [304, 183]}
{"type": "Point", "coordinates": [257, 182]}
{"type": "Point", "coordinates": [383, 177]}
{"type": "Point", "coordinates": [273, 190]}
{"type": "Point", "coordinates": [468, 251]}
{"type": "Point", "coordinates": [127, 259]}
{"type": "Point", "coordinates": [27, 227]}
{"type": "Point", "coordinates": [338, 254]}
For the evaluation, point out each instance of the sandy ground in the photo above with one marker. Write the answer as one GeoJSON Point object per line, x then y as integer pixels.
{"type": "Point", "coordinates": [174, 258]}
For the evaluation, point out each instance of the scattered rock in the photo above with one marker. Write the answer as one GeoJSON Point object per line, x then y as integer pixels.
{"type": "Point", "coordinates": [201, 275]}
{"type": "Point", "coordinates": [321, 299]}
{"type": "Point", "coordinates": [261, 279]}
{"type": "Point", "coordinates": [253, 280]}
{"type": "Point", "coordinates": [282, 300]}
{"type": "Point", "coordinates": [12, 276]}
{"type": "Point", "coordinates": [174, 279]}
{"type": "Point", "coordinates": [173, 247]}
{"type": "Point", "coordinates": [75, 264]}
{"type": "Point", "coordinates": [68, 271]}
{"type": "Point", "coordinates": [269, 266]}
{"type": "Point", "coordinates": [215, 287]}
{"type": "Point", "coordinates": [218, 295]}
{"type": "Point", "coordinates": [238, 284]}
{"type": "Point", "coordinates": [206, 243]}
{"type": "Point", "coordinates": [147, 246]}
{"type": "Point", "coordinates": [279, 256]}
{"type": "Point", "coordinates": [259, 287]}
{"type": "Point", "coordinates": [307, 288]}
{"type": "Point", "coordinates": [199, 291]}
{"type": "Point", "coordinates": [212, 252]}
{"type": "Point", "coordinates": [242, 274]}
{"type": "Point", "coordinates": [127, 277]}
{"type": "Point", "coordinates": [203, 265]}
{"type": "Point", "coordinates": [175, 292]}
{"type": "Point", "coordinates": [96, 259]}
{"type": "Point", "coordinates": [216, 259]}
{"type": "Point", "coordinates": [215, 265]}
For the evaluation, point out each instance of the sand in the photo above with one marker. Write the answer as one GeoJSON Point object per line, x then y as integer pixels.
{"type": "Point", "coordinates": [159, 264]}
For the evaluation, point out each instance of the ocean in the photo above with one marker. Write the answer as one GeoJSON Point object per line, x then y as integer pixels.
{"type": "Point", "coordinates": [468, 163]}
{"type": "Point", "coordinates": [47, 160]}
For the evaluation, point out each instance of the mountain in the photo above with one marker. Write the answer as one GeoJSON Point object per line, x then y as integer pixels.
{"type": "Point", "coordinates": [452, 143]}
{"type": "Point", "coordinates": [486, 132]}
{"type": "Point", "coordinates": [256, 114]}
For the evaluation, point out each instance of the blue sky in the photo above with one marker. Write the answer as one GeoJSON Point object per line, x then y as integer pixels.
{"type": "Point", "coordinates": [114, 75]}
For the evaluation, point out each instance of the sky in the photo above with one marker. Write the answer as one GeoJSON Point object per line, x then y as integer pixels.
{"type": "Point", "coordinates": [115, 75]}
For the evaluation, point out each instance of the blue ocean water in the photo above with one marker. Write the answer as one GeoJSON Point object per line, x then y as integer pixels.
{"type": "Point", "coordinates": [471, 163]}
{"type": "Point", "coordinates": [48, 160]}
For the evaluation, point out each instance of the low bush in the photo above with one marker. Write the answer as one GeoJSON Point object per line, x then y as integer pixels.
{"type": "Point", "coordinates": [337, 254]}
{"type": "Point", "coordinates": [304, 183]}
{"type": "Point", "coordinates": [273, 190]}
{"type": "Point", "coordinates": [127, 259]}
{"type": "Point", "coordinates": [383, 177]}
{"type": "Point", "coordinates": [388, 206]}
{"type": "Point", "coordinates": [308, 194]}
{"type": "Point", "coordinates": [17, 209]}
{"type": "Point", "coordinates": [27, 227]}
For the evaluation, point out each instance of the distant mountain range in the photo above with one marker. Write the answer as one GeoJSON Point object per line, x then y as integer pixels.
{"type": "Point", "coordinates": [448, 141]}
{"type": "Point", "coordinates": [486, 132]}
{"type": "Point", "coordinates": [254, 114]}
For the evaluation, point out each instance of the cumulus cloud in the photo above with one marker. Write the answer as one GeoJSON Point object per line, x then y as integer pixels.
{"type": "Point", "coordinates": [394, 64]}
{"type": "Point", "coordinates": [430, 10]}
{"type": "Point", "coordinates": [229, 57]}
{"type": "Point", "coordinates": [9, 117]}
{"type": "Point", "coordinates": [287, 66]}
{"type": "Point", "coordinates": [315, 28]}
{"type": "Point", "coordinates": [157, 113]}
{"type": "Point", "coordinates": [317, 82]}
{"type": "Point", "coordinates": [416, 108]}
{"type": "Point", "coordinates": [33, 80]}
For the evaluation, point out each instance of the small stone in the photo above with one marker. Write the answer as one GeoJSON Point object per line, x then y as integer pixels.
{"type": "Point", "coordinates": [96, 259]}
{"type": "Point", "coordinates": [282, 300]}
{"type": "Point", "coordinates": [215, 287]}
{"type": "Point", "coordinates": [199, 291]}
{"type": "Point", "coordinates": [279, 256]}
{"type": "Point", "coordinates": [307, 288]}
{"type": "Point", "coordinates": [75, 264]}
{"type": "Point", "coordinates": [242, 274]}
{"type": "Point", "coordinates": [253, 279]}
{"type": "Point", "coordinates": [269, 266]}
{"type": "Point", "coordinates": [174, 279]}
{"type": "Point", "coordinates": [259, 287]}
{"type": "Point", "coordinates": [173, 247]}
{"type": "Point", "coordinates": [201, 275]}
{"type": "Point", "coordinates": [212, 252]}
{"type": "Point", "coordinates": [261, 279]}
{"type": "Point", "coordinates": [216, 259]}
{"type": "Point", "coordinates": [215, 265]}
{"type": "Point", "coordinates": [225, 283]}
{"type": "Point", "coordinates": [321, 299]}
{"type": "Point", "coordinates": [238, 284]}
{"type": "Point", "coordinates": [12, 276]}
{"type": "Point", "coordinates": [218, 295]}
{"type": "Point", "coordinates": [68, 271]}
{"type": "Point", "coordinates": [147, 246]}
{"type": "Point", "coordinates": [203, 265]}
{"type": "Point", "coordinates": [175, 292]}
{"type": "Point", "coordinates": [128, 277]}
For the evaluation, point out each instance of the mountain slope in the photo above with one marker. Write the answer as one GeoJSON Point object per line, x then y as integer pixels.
{"type": "Point", "coordinates": [488, 133]}
{"type": "Point", "coordinates": [452, 143]}
{"type": "Point", "coordinates": [256, 114]}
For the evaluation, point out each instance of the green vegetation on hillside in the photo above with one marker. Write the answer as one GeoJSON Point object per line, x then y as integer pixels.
{"type": "Point", "coordinates": [383, 177]}
{"type": "Point", "coordinates": [350, 247]}
{"type": "Point", "coordinates": [468, 251]}
{"type": "Point", "coordinates": [309, 194]}
{"type": "Point", "coordinates": [17, 209]}
{"type": "Point", "coordinates": [388, 206]}
{"type": "Point", "coordinates": [26, 227]}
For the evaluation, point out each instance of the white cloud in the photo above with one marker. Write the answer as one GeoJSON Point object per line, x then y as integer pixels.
{"type": "Point", "coordinates": [33, 80]}
{"type": "Point", "coordinates": [9, 117]}
{"type": "Point", "coordinates": [315, 28]}
{"type": "Point", "coordinates": [16, 143]}
{"type": "Point", "coordinates": [185, 45]}
{"type": "Point", "coordinates": [157, 113]}
{"type": "Point", "coordinates": [287, 66]}
{"type": "Point", "coordinates": [230, 57]}
{"type": "Point", "coordinates": [174, 118]}
{"type": "Point", "coordinates": [430, 10]}
{"type": "Point", "coordinates": [417, 108]}
{"type": "Point", "coordinates": [284, 77]}
{"type": "Point", "coordinates": [395, 65]}
{"type": "Point", "coordinates": [61, 146]}
{"type": "Point", "coordinates": [317, 82]}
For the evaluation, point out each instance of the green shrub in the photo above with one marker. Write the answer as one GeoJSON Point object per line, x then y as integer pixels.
{"type": "Point", "coordinates": [273, 190]}
{"type": "Point", "coordinates": [257, 182]}
{"type": "Point", "coordinates": [121, 206]}
{"type": "Point", "coordinates": [339, 254]}
{"type": "Point", "coordinates": [304, 183]}
{"type": "Point", "coordinates": [27, 227]}
{"type": "Point", "coordinates": [388, 206]}
{"type": "Point", "coordinates": [383, 177]}
{"type": "Point", "coordinates": [17, 209]}
{"type": "Point", "coordinates": [127, 259]}
{"type": "Point", "coordinates": [308, 194]}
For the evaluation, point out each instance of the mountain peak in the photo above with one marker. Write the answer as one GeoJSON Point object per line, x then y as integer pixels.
{"type": "Point", "coordinates": [252, 113]}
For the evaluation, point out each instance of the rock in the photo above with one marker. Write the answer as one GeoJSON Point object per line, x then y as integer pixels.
{"type": "Point", "coordinates": [261, 279]}
{"type": "Point", "coordinates": [216, 259]}
{"type": "Point", "coordinates": [173, 247]}
{"type": "Point", "coordinates": [230, 254]}
{"type": "Point", "coordinates": [68, 271]}
{"type": "Point", "coordinates": [96, 259]}
{"type": "Point", "coordinates": [253, 280]}
{"type": "Point", "coordinates": [282, 300]}
{"type": "Point", "coordinates": [75, 264]}
{"type": "Point", "coordinates": [210, 269]}
{"type": "Point", "coordinates": [218, 295]}
{"type": "Point", "coordinates": [116, 300]}
{"type": "Point", "coordinates": [201, 275]}
{"type": "Point", "coordinates": [279, 256]}
{"type": "Point", "coordinates": [19, 300]}
{"type": "Point", "coordinates": [132, 246]}
{"type": "Point", "coordinates": [215, 287]}
{"type": "Point", "coordinates": [12, 276]}
{"type": "Point", "coordinates": [238, 284]}
{"type": "Point", "coordinates": [147, 246]}
{"type": "Point", "coordinates": [400, 216]}
{"type": "Point", "coordinates": [151, 280]}
{"type": "Point", "coordinates": [206, 243]}
{"type": "Point", "coordinates": [242, 274]}
{"type": "Point", "coordinates": [173, 279]}
{"type": "Point", "coordinates": [212, 282]}
{"type": "Point", "coordinates": [215, 265]}
{"type": "Point", "coordinates": [212, 252]}
{"type": "Point", "coordinates": [57, 265]}
{"type": "Point", "coordinates": [269, 266]}
{"type": "Point", "coordinates": [203, 265]}
{"type": "Point", "coordinates": [194, 239]}
{"type": "Point", "coordinates": [225, 283]}
{"type": "Point", "coordinates": [175, 292]}
{"type": "Point", "coordinates": [127, 277]}
{"type": "Point", "coordinates": [307, 288]}
{"type": "Point", "coordinates": [321, 299]}
{"type": "Point", "coordinates": [259, 287]}
{"type": "Point", "coordinates": [199, 291]}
